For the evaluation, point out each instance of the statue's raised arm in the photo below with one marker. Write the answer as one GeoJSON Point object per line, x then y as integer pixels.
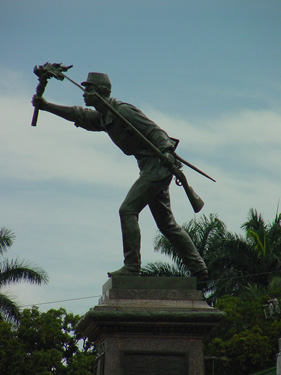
{"type": "Point", "coordinates": [44, 72]}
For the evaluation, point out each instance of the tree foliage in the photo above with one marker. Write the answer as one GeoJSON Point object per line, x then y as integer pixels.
{"type": "Point", "coordinates": [6, 239]}
{"type": "Point", "coordinates": [245, 273]}
{"type": "Point", "coordinates": [245, 342]}
{"type": "Point", "coordinates": [44, 344]}
{"type": "Point", "coordinates": [234, 261]}
{"type": "Point", "coordinates": [159, 269]}
{"type": "Point", "coordinates": [252, 259]}
{"type": "Point", "coordinates": [14, 271]}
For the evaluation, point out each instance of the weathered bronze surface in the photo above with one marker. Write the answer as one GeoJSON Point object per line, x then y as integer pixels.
{"type": "Point", "coordinates": [135, 134]}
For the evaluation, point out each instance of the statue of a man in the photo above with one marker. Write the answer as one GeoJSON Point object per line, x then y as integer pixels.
{"type": "Point", "coordinates": [152, 186]}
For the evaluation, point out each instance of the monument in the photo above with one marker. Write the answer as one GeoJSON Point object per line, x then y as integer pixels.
{"type": "Point", "coordinates": [141, 325]}
{"type": "Point", "coordinates": [149, 326]}
{"type": "Point", "coordinates": [154, 150]}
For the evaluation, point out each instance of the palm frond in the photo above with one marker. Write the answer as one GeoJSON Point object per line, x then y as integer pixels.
{"type": "Point", "coordinates": [202, 233]}
{"type": "Point", "coordinates": [259, 246]}
{"type": "Point", "coordinates": [210, 230]}
{"type": "Point", "coordinates": [159, 269]}
{"type": "Point", "coordinates": [6, 239]}
{"type": "Point", "coordinates": [164, 246]}
{"type": "Point", "coordinates": [13, 271]}
{"type": "Point", "coordinates": [255, 221]}
{"type": "Point", "coordinates": [9, 310]}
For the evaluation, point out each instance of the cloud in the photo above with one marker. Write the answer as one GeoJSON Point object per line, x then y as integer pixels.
{"type": "Point", "coordinates": [245, 127]}
{"type": "Point", "coordinates": [12, 81]}
{"type": "Point", "coordinates": [70, 183]}
{"type": "Point", "coordinates": [55, 149]}
{"type": "Point", "coordinates": [240, 150]}
{"type": "Point", "coordinates": [246, 139]}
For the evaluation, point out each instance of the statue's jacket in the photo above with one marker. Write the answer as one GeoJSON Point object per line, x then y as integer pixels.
{"type": "Point", "coordinates": [125, 138]}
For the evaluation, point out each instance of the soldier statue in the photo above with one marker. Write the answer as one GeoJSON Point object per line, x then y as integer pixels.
{"type": "Point", "coordinates": [152, 186]}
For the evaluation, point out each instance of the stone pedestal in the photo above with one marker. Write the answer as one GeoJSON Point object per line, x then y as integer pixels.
{"type": "Point", "coordinates": [149, 326]}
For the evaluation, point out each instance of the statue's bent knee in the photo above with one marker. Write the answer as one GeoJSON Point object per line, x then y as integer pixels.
{"type": "Point", "coordinates": [125, 211]}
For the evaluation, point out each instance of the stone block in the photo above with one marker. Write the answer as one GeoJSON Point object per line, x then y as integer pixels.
{"type": "Point", "coordinates": [150, 326]}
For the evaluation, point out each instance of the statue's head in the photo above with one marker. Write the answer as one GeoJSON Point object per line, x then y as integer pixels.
{"type": "Point", "coordinates": [99, 82]}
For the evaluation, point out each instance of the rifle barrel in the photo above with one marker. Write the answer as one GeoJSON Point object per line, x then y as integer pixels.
{"type": "Point", "coordinates": [193, 167]}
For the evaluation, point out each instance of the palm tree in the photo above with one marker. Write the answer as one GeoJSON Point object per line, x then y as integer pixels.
{"type": "Point", "coordinates": [207, 233]}
{"type": "Point", "coordinates": [265, 241]}
{"type": "Point", "coordinates": [14, 271]}
{"type": "Point", "coordinates": [234, 261]}
{"type": "Point", "coordinates": [204, 232]}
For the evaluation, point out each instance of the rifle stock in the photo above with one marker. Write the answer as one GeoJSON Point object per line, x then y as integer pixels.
{"type": "Point", "coordinates": [194, 199]}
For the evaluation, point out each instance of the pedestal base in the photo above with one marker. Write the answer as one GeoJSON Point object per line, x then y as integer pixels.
{"type": "Point", "coordinates": [149, 326]}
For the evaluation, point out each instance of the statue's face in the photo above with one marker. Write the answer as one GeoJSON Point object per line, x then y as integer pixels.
{"type": "Point", "coordinates": [90, 98]}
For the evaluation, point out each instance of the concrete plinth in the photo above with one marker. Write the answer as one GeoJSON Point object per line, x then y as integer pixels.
{"type": "Point", "coordinates": [149, 326]}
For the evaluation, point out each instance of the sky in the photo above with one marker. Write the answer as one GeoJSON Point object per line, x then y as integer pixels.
{"type": "Point", "coordinates": [208, 72]}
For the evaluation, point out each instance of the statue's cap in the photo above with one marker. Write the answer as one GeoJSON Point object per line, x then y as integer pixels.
{"type": "Point", "coordinates": [97, 79]}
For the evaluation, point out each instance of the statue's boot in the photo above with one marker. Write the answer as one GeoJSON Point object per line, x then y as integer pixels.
{"type": "Point", "coordinates": [125, 271]}
{"type": "Point", "coordinates": [131, 246]}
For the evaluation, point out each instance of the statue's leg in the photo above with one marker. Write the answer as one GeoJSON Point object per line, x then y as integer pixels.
{"type": "Point", "coordinates": [140, 194]}
{"type": "Point", "coordinates": [162, 213]}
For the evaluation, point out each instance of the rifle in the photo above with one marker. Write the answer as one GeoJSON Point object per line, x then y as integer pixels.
{"type": "Point", "coordinates": [195, 201]}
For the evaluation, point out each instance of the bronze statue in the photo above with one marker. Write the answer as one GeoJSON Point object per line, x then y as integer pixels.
{"type": "Point", "coordinates": [154, 150]}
